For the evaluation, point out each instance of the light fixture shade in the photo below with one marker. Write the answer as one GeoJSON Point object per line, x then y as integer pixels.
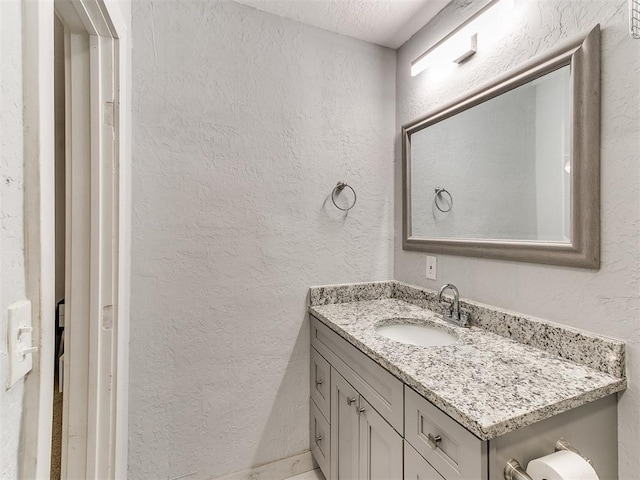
{"type": "Point", "coordinates": [479, 31]}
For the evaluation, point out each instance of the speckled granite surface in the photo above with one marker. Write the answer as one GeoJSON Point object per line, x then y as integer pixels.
{"type": "Point", "coordinates": [351, 292]}
{"type": "Point", "coordinates": [488, 383]}
{"type": "Point", "coordinates": [595, 351]}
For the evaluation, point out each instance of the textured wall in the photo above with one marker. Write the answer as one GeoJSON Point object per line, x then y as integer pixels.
{"type": "Point", "coordinates": [606, 301]}
{"type": "Point", "coordinates": [12, 279]}
{"type": "Point", "coordinates": [243, 123]}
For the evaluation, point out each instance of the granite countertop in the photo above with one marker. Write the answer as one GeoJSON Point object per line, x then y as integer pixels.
{"type": "Point", "coordinates": [490, 384]}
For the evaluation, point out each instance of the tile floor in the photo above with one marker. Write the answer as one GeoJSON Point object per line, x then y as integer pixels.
{"type": "Point", "coordinates": [311, 475]}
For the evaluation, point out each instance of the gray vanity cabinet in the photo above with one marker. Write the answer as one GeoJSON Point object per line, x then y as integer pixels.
{"type": "Point", "coordinates": [367, 424]}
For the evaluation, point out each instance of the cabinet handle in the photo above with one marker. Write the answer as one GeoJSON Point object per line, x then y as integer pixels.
{"type": "Point", "coordinates": [361, 409]}
{"type": "Point", "coordinates": [318, 438]}
{"type": "Point", "coordinates": [318, 382]}
{"type": "Point", "coordinates": [434, 441]}
{"type": "Point", "coordinates": [350, 400]}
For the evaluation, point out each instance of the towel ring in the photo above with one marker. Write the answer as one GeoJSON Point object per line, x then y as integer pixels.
{"type": "Point", "coordinates": [439, 191]}
{"type": "Point", "coordinates": [337, 189]}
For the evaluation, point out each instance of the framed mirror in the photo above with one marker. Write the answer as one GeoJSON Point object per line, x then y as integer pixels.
{"type": "Point", "coordinates": [512, 170]}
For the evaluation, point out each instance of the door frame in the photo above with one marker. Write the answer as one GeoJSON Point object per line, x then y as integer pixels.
{"type": "Point", "coordinates": [100, 404]}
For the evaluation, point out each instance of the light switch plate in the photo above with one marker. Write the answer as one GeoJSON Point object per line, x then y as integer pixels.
{"type": "Point", "coordinates": [19, 342]}
{"type": "Point", "coordinates": [432, 268]}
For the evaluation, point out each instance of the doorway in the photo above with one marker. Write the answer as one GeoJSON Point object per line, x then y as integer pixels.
{"type": "Point", "coordinates": [79, 226]}
{"type": "Point", "coordinates": [91, 242]}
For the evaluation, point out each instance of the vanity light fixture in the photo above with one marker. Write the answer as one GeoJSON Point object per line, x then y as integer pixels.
{"type": "Point", "coordinates": [462, 43]}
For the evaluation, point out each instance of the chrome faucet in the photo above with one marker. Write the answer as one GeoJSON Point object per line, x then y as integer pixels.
{"type": "Point", "coordinates": [454, 315]}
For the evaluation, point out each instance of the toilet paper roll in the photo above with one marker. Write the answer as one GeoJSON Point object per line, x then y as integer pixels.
{"type": "Point", "coordinates": [562, 465]}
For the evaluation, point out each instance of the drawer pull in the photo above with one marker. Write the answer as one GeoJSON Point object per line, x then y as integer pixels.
{"type": "Point", "coordinates": [350, 400]}
{"type": "Point", "coordinates": [434, 441]}
{"type": "Point", "coordinates": [318, 382]}
{"type": "Point", "coordinates": [318, 438]}
{"type": "Point", "coordinates": [361, 409]}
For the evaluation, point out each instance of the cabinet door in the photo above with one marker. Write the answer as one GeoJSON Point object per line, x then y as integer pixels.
{"type": "Point", "coordinates": [380, 446]}
{"type": "Point", "coordinates": [344, 429]}
{"type": "Point", "coordinates": [416, 467]}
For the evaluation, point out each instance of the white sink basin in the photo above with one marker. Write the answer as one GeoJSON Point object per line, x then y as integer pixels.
{"type": "Point", "coordinates": [421, 335]}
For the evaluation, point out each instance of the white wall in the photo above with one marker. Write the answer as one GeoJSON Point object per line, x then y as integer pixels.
{"type": "Point", "coordinates": [12, 258]}
{"type": "Point", "coordinates": [243, 124]}
{"type": "Point", "coordinates": [606, 301]}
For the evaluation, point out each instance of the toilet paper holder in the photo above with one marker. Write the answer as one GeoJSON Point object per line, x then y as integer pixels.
{"type": "Point", "coordinates": [514, 471]}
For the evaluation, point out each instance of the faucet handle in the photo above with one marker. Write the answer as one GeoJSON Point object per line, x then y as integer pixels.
{"type": "Point", "coordinates": [449, 310]}
{"type": "Point", "coordinates": [465, 318]}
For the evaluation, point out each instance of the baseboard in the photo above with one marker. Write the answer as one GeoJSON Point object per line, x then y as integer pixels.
{"type": "Point", "coordinates": [278, 470]}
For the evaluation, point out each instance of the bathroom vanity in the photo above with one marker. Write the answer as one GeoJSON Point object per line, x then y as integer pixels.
{"type": "Point", "coordinates": [508, 387]}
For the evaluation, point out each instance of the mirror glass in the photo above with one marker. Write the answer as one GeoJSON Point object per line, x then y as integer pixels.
{"type": "Point", "coordinates": [499, 170]}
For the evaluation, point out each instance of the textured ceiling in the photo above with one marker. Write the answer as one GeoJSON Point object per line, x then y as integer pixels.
{"type": "Point", "coordinates": [385, 22]}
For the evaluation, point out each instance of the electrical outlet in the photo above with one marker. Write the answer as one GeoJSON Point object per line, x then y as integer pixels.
{"type": "Point", "coordinates": [432, 268]}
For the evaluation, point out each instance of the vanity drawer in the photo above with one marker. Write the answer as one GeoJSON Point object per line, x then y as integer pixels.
{"type": "Point", "coordinates": [416, 467]}
{"type": "Point", "coordinates": [320, 439]}
{"type": "Point", "coordinates": [320, 383]}
{"type": "Point", "coordinates": [381, 389]}
{"type": "Point", "coordinates": [458, 454]}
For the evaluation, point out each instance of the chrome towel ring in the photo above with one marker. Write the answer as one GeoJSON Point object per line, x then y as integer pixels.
{"type": "Point", "coordinates": [336, 191]}
{"type": "Point", "coordinates": [439, 192]}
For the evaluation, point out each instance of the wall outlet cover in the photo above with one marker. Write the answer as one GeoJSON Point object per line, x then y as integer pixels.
{"type": "Point", "coordinates": [432, 268]}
